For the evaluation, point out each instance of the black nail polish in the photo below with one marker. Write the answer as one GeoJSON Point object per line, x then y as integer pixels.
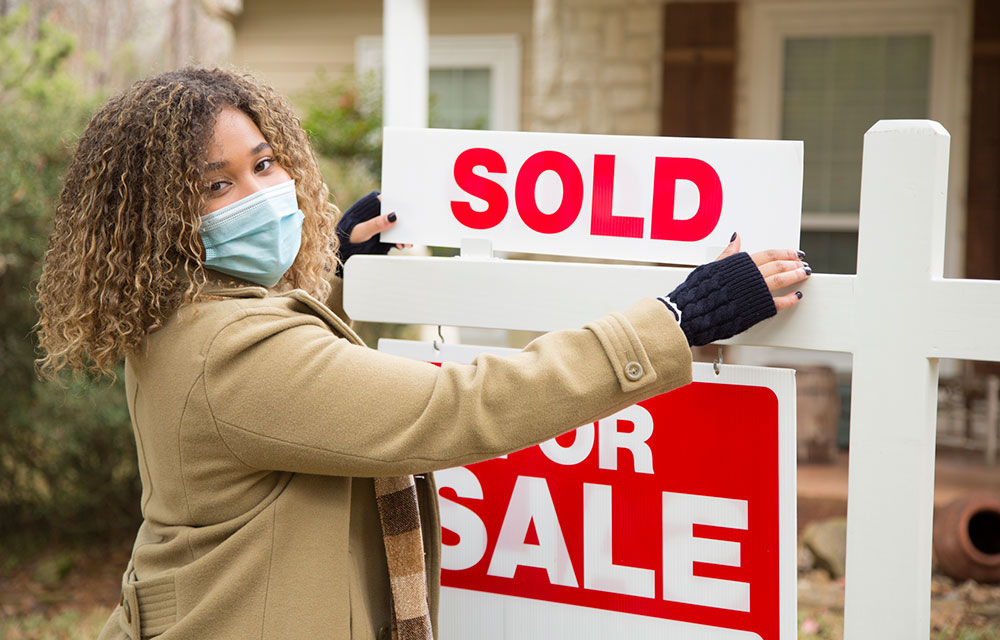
{"type": "Point", "coordinates": [808, 270]}
{"type": "Point", "coordinates": [392, 216]}
{"type": "Point", "coordinates": [798, 294]}
{"type": "Point", "coordinates": [734, 237]}
{"type": "Point", "coordinates": [801, 254]}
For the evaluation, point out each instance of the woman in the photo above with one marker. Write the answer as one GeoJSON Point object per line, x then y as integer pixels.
{"type": "Point", "coordinates": [194, 239]}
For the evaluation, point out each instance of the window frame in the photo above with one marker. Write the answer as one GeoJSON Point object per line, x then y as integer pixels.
{"type": "Point", "coordinates": [500, 53]}
{"type": "Point", "coordinates": [767, 24]}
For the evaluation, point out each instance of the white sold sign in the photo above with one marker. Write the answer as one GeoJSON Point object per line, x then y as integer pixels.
{"type": "Point", "coordinates": [673, 518]}
{"type": "Point", "coordinates": [622, 197]}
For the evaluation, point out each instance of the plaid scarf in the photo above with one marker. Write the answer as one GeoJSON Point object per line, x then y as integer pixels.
{"type": "Point", "coordinates": [404, 550]}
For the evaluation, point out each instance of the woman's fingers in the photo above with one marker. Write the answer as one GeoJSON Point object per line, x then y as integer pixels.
{"type": "Point", "coordinates": [783, 268]}
{"type": "Point", "coordinates": [788, 300]}
{"type": "Point", "coordinates": [771, 255]}
{"type": "Point", "coordinates": [780, 266]}
{"type": "Point", "coordinates": [733, 248]}
{"type": "Point", "coordinates": [782, 279]}
{"type": "Point", "coordinates": [399, 245]}
{"type": "Point", "coordinates": [364, 231]}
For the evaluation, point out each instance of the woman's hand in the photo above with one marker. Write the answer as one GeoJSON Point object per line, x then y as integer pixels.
{"type": "Point", "coordinates": [365, 231]}
{"type": "Point", "coordinates": [360, 229]}
{"type": "Point", "coordinates": [780, 268]}
{"type": "Point", "coordinates": [731, 294]}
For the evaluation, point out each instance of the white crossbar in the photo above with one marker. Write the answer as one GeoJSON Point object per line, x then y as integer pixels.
{"type": "Point", "coordinates": [544, 296]}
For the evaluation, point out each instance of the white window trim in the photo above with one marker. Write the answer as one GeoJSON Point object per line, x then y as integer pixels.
{"type": "Point", "coordinates": [501, 54]}
{"type": "Point", "coordinates": [766, 24]}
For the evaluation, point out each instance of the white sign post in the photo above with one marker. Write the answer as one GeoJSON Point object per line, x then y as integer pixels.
{"type": "Point", "coordinates": [897, 316]}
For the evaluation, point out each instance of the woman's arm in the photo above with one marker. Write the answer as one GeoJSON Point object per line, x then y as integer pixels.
{"type": "Point", "coordinates": [288, 394]}
{"type": "Point", "coordinates": [384, 415]}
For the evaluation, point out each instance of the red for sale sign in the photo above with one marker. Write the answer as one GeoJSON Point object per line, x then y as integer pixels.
{"type": "Point", "coordinates": [673, 518]}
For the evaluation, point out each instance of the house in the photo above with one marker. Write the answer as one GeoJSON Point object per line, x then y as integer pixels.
{"type": "Point", "coordinates": [817, 70]}
{"type": "Point", "coordinates": [822, 71]}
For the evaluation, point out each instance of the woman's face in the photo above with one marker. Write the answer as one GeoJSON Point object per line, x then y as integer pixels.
{"type": "Point", "coordinates": [240, 161]}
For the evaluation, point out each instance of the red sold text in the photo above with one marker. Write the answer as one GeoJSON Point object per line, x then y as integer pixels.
{"type": "Point", "coordinates": [664, 225]}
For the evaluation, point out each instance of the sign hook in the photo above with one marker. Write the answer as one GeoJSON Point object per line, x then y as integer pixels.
{"type": "Point", "coordinates": [717, 365]}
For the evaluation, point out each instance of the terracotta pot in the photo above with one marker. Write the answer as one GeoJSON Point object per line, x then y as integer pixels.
{"type": "Point", "coordinates": [817, 408]}
{"type": "Point", "coordinates": [967, 538]}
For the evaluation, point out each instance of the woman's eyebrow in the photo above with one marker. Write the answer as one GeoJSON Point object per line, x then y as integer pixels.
{"type": "Point", "coordinates": [215, 166]}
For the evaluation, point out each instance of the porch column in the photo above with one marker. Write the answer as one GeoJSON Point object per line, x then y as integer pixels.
{"type": "Point", "coordinates": [405, 71]}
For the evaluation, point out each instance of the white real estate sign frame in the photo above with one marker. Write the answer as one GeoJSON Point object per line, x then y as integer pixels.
{"type": "Point", "coordinates": [463, 611]}
{"type": "Point", "coordinates": [897, 317]}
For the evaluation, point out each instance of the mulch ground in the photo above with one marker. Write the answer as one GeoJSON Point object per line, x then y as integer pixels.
{"type": "Point", "coordinates": [62, 578]}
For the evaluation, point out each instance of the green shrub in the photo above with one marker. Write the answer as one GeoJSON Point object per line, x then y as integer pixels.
{"type": "Point", "coordinates": [67, 458]}
{"type": "Point", "coordinates": [344, 119]}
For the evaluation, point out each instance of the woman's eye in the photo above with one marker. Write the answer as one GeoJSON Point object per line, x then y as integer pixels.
{"type": "Point", "coordinates": [264, 164]}
{"type": "Point", "coordinates": [217, 186]}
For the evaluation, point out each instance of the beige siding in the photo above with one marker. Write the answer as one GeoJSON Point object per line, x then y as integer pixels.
{"type": "Point", "coordinates": [598, 67]}
{"type": "Point", "coordinates": [286, 43]}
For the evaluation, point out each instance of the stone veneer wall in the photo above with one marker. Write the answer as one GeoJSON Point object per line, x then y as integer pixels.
{"type": "Point", "coordinates": [596, 66]}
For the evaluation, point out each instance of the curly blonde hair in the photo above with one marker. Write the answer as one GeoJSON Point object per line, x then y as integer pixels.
{"type": "Point", "coordinates": [125, 250]}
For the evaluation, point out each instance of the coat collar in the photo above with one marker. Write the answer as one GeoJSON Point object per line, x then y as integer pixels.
{"type": "Point", "coordinates": [219, 284]}
{"type": "Point", "coordinates": [222, 285]}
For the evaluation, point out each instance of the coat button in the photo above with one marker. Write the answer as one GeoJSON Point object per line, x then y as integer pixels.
{"type": "Point", "coordinates": [127, 608]}
{"type": "Point", "coordinates": [633, 370]}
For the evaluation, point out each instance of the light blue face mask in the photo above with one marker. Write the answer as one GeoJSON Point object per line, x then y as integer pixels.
{"type": "Point", "coordinates": [256, 238]}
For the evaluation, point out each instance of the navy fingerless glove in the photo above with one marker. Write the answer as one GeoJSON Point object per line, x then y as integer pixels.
{"type": "Point", "coordinates": [720, 299]}
{"type": "Point", "coordinates": [364, 209]}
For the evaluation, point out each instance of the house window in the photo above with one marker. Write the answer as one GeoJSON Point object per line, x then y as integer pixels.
{"type": "Point", "coordinates": [834, 89]}
{"type": "Point", "coordinates": [818, 72]}
{"type": "Point", "coordinates": [459, 98]}
{"type": "Point", "coordinates": [474, 83]}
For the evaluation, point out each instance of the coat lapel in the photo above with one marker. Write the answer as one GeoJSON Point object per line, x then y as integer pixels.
{"type": "Point", "coordinates": [326, 314]}
{"type": "Point", "coordinates": [233, 288]}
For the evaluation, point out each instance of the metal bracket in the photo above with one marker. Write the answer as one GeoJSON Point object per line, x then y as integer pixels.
{"type": "Point", "coordinates": [476, 249]}
{"type": "Point", "coordinates": [436, 344]}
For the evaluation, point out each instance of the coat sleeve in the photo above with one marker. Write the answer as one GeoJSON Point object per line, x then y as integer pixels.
{"type": "Point", "coordinates": [288, 394]}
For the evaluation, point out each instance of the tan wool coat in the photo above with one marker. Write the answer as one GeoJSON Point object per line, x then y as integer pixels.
{"type": "Point", "coordinates": [260, 420]}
